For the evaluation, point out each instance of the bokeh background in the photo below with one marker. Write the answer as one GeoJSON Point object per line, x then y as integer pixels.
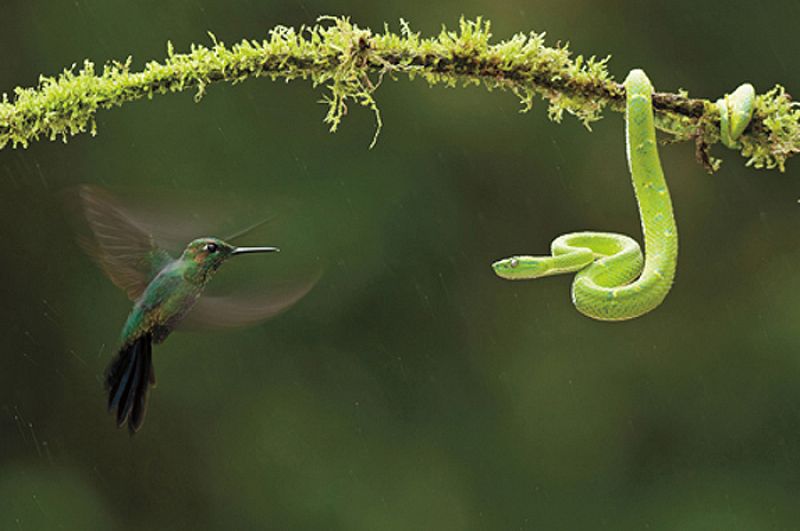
{"type": "Point", "coordinates": [411, 389]}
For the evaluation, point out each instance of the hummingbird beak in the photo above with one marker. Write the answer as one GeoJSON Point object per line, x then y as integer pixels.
{"type": "Point", "coordinates": [245, 250]}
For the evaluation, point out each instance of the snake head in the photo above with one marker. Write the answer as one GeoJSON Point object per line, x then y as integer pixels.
{"type": "Point", "coordinates": [521, 267]}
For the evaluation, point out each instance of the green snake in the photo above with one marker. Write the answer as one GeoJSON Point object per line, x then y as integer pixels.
{"type": "Point", "coordinates": [613, 280]}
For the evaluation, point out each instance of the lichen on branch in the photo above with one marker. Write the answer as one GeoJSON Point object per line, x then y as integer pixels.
{"type": "Point", "coordinates": [351, 62]}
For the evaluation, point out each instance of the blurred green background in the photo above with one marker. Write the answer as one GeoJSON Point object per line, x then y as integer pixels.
{"type": "Point", "coordinates": [411, 389]}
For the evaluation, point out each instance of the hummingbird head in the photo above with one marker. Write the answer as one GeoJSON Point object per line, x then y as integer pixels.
{"type": "Point", "coordinates": [208, 254]}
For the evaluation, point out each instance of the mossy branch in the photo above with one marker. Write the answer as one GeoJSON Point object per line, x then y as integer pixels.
{"type": "Point", "coordinates": [351, 62]}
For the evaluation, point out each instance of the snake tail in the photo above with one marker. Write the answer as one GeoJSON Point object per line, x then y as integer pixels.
{"type": "Point", "coordinates": [735, 113]}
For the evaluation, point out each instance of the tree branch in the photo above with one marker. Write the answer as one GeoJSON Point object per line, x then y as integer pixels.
{"type": "Point", "coordinates": [351, 62]}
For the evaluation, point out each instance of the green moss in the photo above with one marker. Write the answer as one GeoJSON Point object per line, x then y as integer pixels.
{"type": "Point", "coordinates": [780, 117]}
{"type": "Point", "coordinates": [351, 62]}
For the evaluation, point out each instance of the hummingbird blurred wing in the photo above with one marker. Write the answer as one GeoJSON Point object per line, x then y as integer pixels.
{"type": "Point", "coordinates": [123, 248]}
{"type": "Point", "coordinates": [232, 311]}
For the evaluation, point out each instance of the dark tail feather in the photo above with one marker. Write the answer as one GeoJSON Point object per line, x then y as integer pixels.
{"type": "Point", "coordinates": [128, 380]}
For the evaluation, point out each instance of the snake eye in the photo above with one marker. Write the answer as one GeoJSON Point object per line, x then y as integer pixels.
{"type": "Point", "coordinates": [514, 262]}
{"type": "Point", "coordinates": [211, 248]}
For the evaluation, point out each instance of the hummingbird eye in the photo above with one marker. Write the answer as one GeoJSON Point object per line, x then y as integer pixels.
{"type": "Point", "coordinates": [211, 247]}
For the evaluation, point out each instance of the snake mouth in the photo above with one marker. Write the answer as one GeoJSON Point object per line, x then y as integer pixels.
{"type": "Point", "coordinates": [502, 270]}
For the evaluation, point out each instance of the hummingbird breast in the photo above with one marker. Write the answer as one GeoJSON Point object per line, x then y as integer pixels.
{"type": "Point", "coordinates": [173, 318]}
{"type": "Point", "coordinates": [162, 306]}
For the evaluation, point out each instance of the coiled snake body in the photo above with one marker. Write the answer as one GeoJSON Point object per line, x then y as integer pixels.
{"type": "Point", "coordinates": [614, 282]}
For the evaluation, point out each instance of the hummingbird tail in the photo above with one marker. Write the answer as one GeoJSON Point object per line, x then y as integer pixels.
{"type": "Point", "coordinates": [128, 380]}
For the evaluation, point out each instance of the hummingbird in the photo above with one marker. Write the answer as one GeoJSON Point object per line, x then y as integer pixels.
{"type": "Point", "coordinates": [166, 291]}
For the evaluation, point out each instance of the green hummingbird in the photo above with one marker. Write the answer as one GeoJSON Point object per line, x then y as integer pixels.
{"type": "Point", "coordinates": [166, 292]}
